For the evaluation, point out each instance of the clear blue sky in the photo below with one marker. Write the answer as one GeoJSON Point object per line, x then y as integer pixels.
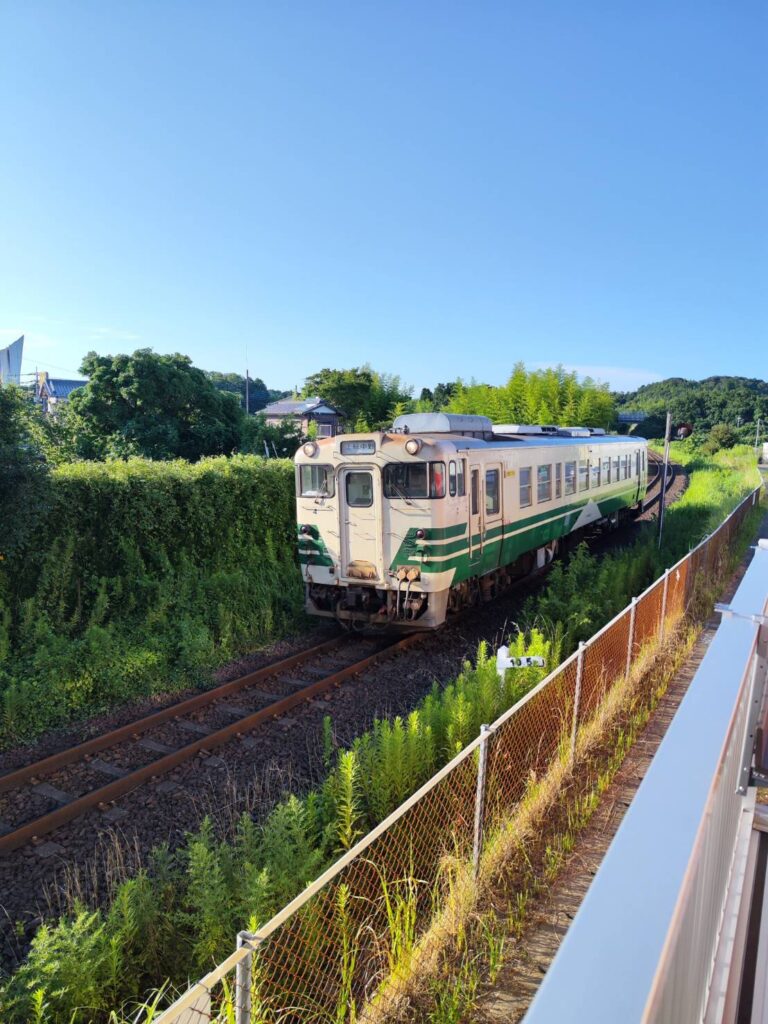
{"type": "Point", "coordinates": [439, 189]}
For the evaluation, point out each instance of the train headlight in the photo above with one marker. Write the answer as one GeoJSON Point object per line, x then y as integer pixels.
{"type": "Point", "coordinates": [420, 534]}
{"type": "Point", "coordinates": [413, 446]}
{"type": "Point", "coordinates": [310, 449]}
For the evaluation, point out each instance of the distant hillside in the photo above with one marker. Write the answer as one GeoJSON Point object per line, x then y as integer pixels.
{"type": "Point", "coordinates": [737, 401]}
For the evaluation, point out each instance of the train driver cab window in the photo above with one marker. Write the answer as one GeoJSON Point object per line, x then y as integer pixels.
{"type": "Point", "coordinates": [570, 478]}
{"type": "Point", "coordinates": [543, 483]}
{"type": "Point", "coordinates": [595, 466]}
{"type": "Point", "coordinates": [525, 487]}
{"type": "Point", "coordinates": [606, 471]}
{"type": "Point", "coordinates": [583, 474]}
{"type": "Point", "coordinates": [316, 481]}
{"type": "Point", "coordinates": [624, 467]}
{"type": "Point", "coordinates": [558, 479]}
{"type": "Point", "coordinates": [359, 490]}
{"type": "Point", "coordinates": [452, 478]}
{"type": "Point", "coordinates": [492, 492]}
{"type": "Point", "coordinates": [616, 475]}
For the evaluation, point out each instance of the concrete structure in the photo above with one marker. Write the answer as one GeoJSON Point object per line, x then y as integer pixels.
{"type": "Point", "coordinates": [10, 362]}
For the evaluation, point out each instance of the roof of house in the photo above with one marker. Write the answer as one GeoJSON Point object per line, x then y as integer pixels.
{"type": "Point", "coordinates": [299, 407]}
{"type": "Point", "coordinates": [59, 388]}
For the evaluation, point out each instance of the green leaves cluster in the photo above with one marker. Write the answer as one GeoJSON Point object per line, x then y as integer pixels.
{"type": "Point", "coordinates": [144, 576]}
{"type": "Point", "coordinates": [158, 406]}
{"type": "Point", "coordinates": [538, 396]}
{"type": "Point", "coordinates": [732, 400]}
{"type": "Point", "coordinates": [368, 400]}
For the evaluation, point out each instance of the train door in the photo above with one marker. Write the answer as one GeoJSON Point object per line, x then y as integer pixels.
{"type": "Point", "coordinates": [360, 509]}
{"type": "Point", "coordinates": [475, 516]}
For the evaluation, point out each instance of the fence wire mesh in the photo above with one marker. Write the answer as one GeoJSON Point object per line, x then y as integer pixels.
{"type": "Point", "coordinates": [336, 953]}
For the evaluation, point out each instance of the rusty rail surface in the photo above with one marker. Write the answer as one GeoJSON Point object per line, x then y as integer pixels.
{"type": "Point", "coordinates": [114, 790]}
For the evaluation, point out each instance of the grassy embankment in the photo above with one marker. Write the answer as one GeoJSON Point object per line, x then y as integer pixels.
{"type": "Point", "coordinates": [179, 915]}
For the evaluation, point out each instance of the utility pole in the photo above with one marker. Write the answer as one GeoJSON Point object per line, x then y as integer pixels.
{"type": "Point", "coordinates": [667, 434]}
{"type": "Point", "coordinates": [757, 435]}
{"type": "Point", "coordinates": [247, 383]}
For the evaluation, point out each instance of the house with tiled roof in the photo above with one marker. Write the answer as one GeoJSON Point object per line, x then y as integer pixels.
{"type": "Point", "coordinates": [329, 420]}
{"type": "Point", "coordinates": [54, 391]}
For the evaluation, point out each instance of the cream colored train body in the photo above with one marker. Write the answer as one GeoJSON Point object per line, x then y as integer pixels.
{"type": "Point", "coordinates": [401, 527]}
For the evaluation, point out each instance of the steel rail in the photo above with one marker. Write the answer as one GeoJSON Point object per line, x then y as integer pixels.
{"type": "Point", "coordinates": [114, 790]}
{"type": "Point", "coordinates": [20, 776]}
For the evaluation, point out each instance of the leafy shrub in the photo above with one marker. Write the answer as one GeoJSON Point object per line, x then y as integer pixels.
{"type": "Point", "coordinates": [145, 576]}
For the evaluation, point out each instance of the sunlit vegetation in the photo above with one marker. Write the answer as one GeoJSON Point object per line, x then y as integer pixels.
{"type": "Point", "coordinates": [213, 886]}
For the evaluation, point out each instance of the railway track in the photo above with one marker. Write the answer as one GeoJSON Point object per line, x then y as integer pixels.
{"type": "Point", "coordinates": [149, 747]}
{"type": "Point", "coordinates": [40, 797]}
{"type": "Point", "coordinates": [653, 486]}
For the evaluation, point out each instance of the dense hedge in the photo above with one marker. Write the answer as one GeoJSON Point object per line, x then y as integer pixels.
{"type": "Point", "coordinates": [141, 575]}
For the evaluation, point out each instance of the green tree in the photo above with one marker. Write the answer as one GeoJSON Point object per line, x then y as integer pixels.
{"type": "Point", "coordinates": [722, 435]}
{"type": "Point", "coordinates": [154, 405]}
{"type": "Point", "coordinates": [23, 472]}
{"type": "Point", "coordinates": [366, 398]}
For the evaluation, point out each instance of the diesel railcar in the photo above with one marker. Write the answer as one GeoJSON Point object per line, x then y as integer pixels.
{"type": "Point", "coordinates": [402, 527]}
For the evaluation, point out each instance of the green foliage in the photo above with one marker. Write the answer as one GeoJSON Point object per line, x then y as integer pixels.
{"type": "Point", "coordinates": [154, 405]}
{"type": "Point", "coordinates": [538, 396]}
{"type": "Point", "coordinates": [731, 400]}
{"type": "Point", "coordinates": [257, 437]}
{"type": "Point", "coordinates": [23, 477]}
{"type": "Point", "coordinates": [369, 400]}
{"type": "Point", "coordinates": [175, 919]}
{"type": "Point", "coordinates": [259, 394]}
{"type": "Point", "coordinates": [720, 436]}
{"type": "Point", "coordinates": [146, 574]}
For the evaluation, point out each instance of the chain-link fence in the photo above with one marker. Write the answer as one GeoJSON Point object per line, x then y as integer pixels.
{"type": "Point", "coordinates": [336, 953]}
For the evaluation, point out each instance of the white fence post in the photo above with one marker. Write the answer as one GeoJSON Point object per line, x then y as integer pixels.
{"type": "Point", "coordinates": [480, 797]}
{"type": "Point", "coordinates": [664, 592]}
{"type": "Point", "coordinates": [631, 641]}
{"type": "Point", "coordinates": [577, 697]}
{"type": "Point", "coordinates": [243, 974]}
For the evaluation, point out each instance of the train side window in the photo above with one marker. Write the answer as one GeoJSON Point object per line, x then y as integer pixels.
{"type": "Point", "coordinates": [316, 481]}
{"type": "Point", "coordinates": [492, 495]}
{"type": "Point", "coordinates": [544, 483]}
{"type": "Point", "coordinates": [570, 478]}
{"type": "Point", "coordinates": [616, 464]}
{"type": "Point", "coordinates": [558, 479]}
{"type": "Point", "coordinates": [643, 461]}
{"type": "Point", "coordinates": [475, 488]}
{"type": "Point", "coordinates": [625, 466]}
{"type": "Point", "coordinates": [461, 477]}
{"type": "Point", "coordinates": [637, 463]}
{"type": "Point", "coordinates": [525, 487]}
{"type": "Point", "coordinates": [595, 473]}
{"type": "Point", "coordinates": [583, 474]}
{"type": "Point", "coordinates": [606, 471]}
{"type": "Point", "coordinates": [452, 478]}
{"type": "Point", "coordinates": [437, 479]}
{"type": "Point", "coordinates": [359, 490]}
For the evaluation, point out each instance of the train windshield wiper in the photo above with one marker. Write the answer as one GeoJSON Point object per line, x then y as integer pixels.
{"type": "Point", "coordinates": [400, 494]}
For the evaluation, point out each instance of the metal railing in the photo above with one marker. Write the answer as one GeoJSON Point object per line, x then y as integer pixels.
{"type": "Point", "coordinates": [338, 946]}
